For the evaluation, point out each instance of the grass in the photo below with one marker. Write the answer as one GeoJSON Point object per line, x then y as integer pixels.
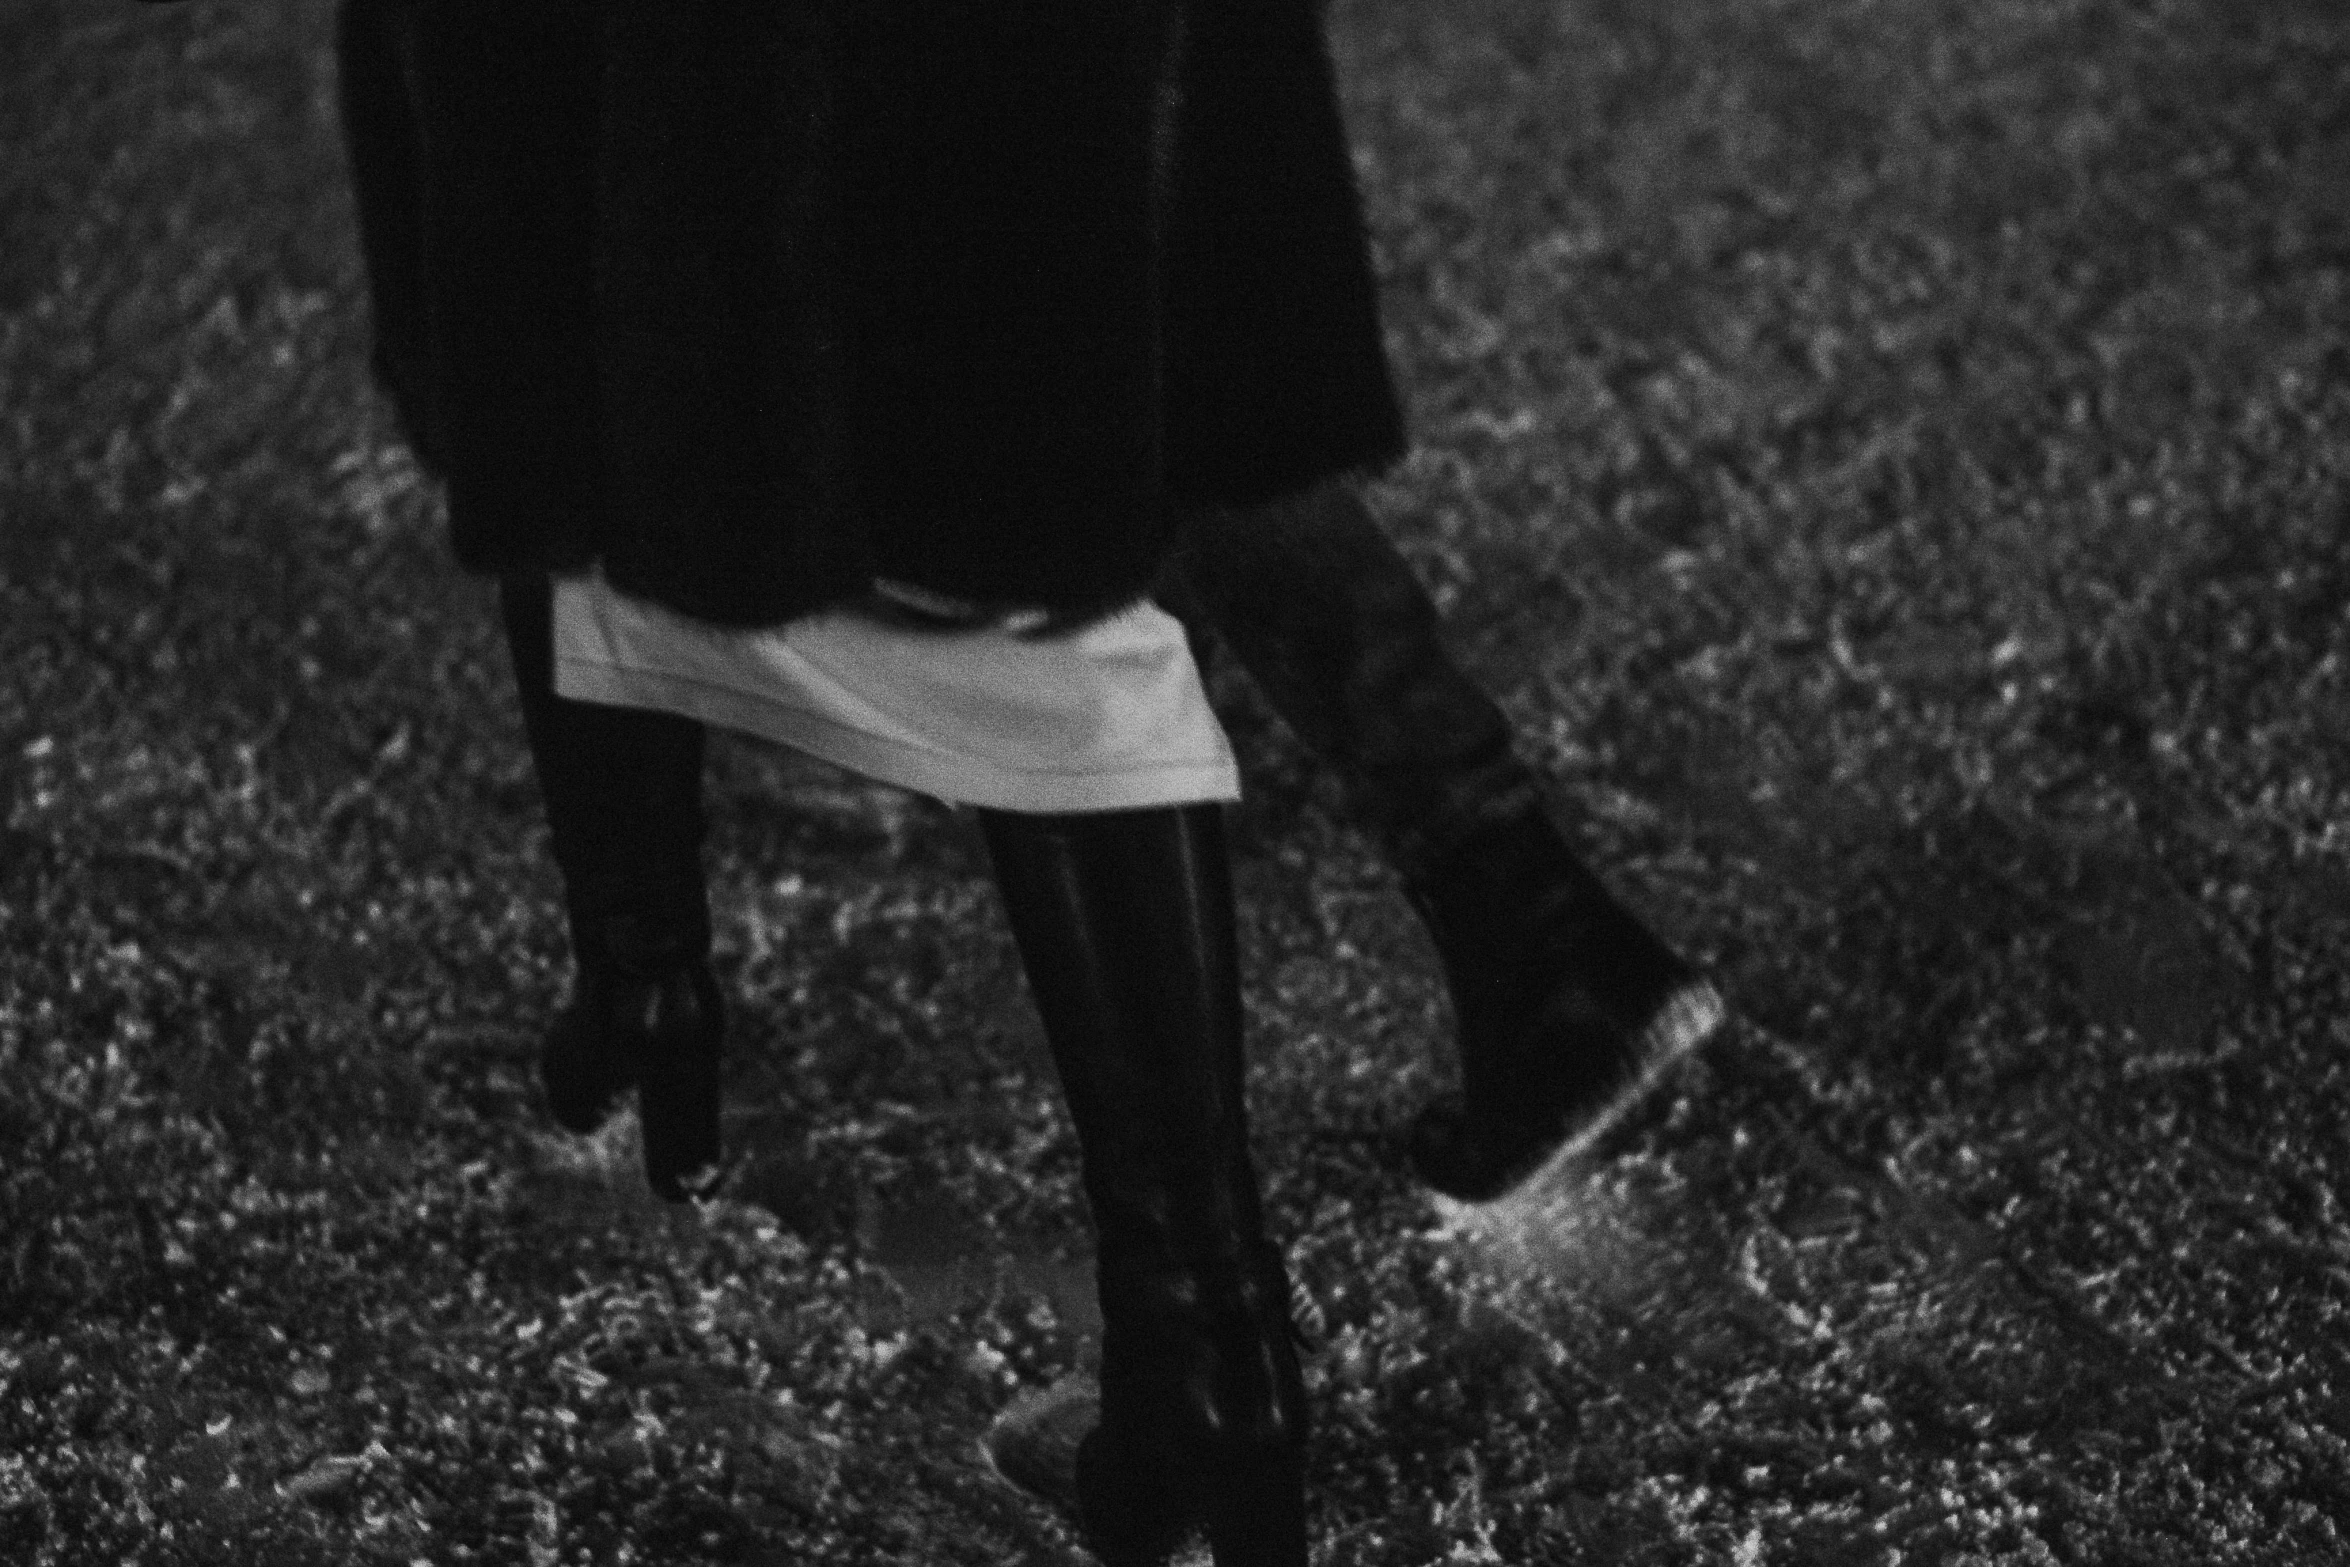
{"type": "Point", "coordinates": [1890, 456]}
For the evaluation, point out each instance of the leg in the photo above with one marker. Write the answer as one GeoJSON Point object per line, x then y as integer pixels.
{"type": "Point", "coordinates": [1125, 925]}
{"type": "Point", "coordinates": [1331, 623]}
{"type": "Point", "coordinates": [623, 792]}
{"type": "Point", "coordinates": [1564, 1001]}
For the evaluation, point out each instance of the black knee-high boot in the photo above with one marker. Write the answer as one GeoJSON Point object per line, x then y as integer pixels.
{"type": "Point", "coordinates": [1567, 1004]}
{"type": "Point", "coordinates": [1125, 925]}
{"type": "Point", "coordinates": [623, 792]}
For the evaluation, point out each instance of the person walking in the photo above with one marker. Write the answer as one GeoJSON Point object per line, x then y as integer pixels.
{"type": "Point", "coordinates": [844, 374]}
{"type": "Point", "coordinates": [1565, 1004]}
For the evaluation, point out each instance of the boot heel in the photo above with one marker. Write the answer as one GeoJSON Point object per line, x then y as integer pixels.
{"type": "Point", "coordinates": [1247, 1499]}
{"type": "Point", "coordinates": [1256, 1514]}
{"type": "Point", "coordinates": [1135, 1510]}
{"type": "Point", "coordinates": [583, 1077]}
{"type": "Point", "coordinates": [678, 1086]}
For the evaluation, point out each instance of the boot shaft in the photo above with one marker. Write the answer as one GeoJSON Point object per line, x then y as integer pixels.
{"type": "Point", "coordinates": [1125, 924]}
{"type": "Point", "coordinates": [1126, 929]}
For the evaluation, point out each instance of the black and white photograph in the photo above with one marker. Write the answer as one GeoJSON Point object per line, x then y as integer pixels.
{"type": "Point", "coordinates": [1175, 783]}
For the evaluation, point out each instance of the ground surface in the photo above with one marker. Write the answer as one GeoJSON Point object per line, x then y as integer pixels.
{"type": "Point", "coordinates": [1891, 455]}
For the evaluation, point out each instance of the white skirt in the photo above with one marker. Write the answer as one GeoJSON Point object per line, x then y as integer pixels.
{"type": "Point", "coordinates": [1111, 717]}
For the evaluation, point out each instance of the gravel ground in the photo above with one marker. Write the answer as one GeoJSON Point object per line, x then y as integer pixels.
{"type": "Point", "coordinates": [1890, 455]}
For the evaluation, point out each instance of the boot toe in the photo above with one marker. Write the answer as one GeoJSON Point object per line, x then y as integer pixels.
{"type": "Point", "coordinates": [1453, 1156]}
{"type": "Point", "coordinates": [1590, 1084]}
{"type": "Point", "coordinates": [1032, 1445]}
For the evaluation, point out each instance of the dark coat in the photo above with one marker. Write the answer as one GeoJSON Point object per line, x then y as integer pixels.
{"type": "Point", "coordinates": [755, 303]}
